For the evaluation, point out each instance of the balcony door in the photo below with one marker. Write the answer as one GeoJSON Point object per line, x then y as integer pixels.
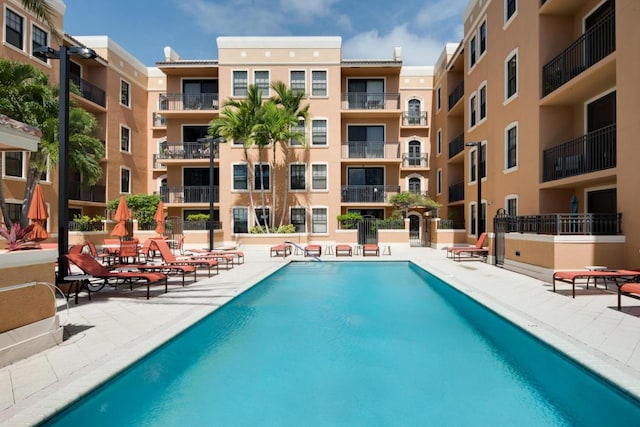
{"type": "Point", "coordinates": [601, 133]}
{"type": "Point", "coordinates": [199, 94]}
{"type": "Point", "coordinates": [366, 142]}
{"type": "Point", "coordinates": [366, 93]}
{"type": "Point", "coordinates": [600, 33]}
{"type": "Point", "coordinates": [603, 202]}
{"type": "Point", "coordinates": [365, 184]}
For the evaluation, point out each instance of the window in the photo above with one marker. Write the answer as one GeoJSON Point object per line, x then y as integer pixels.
{"type": "Point", "coordinates": [13, 164]}
{"type": "Point", "coordinates": [299, 219]}
{"type": "Point", "coordinates": [483, 162]}
{"type": "Point", "coordinates": [263, 215]}
{"type": "Point", "coordinates": [414, 156]}
{"type": "Point", "coordinates": [472, 52]}
{"type": "Point", "coordinates": [14, 29]}
{"type": "Point", "coordinates": [319, 132]}
{"type": "Point", "coordinates": [125, 139]}
{"type": "Point", "coordinates": [298, 174]}
{"type": "Point", "coordinates": [472, 111]}
{"type": "Point", "coordinates": [366, 142]}
{"type": "Point", "coordinates": [483, 102]}
{"type": "Point", "coordinates": [439, 181]}
{"type": "Point", "coordinates": [125, 180]}
{"type": "Point", "coordinates": [414, 185]}
{"type": "Point", "coordinates": [512, 75]}
{"type": "Point", "coordinates": [483, 37]}
{"type": "Point", "coordinates": [439, 98]}
{"type": "Point", "coordinates": [14, 211]}
{"type": "Point", "coordinates": [298, 130]}
{"type": "Point", "coordinates": [511, 206]}
{"type": "Point", "coordinates": [39, 38]}
{"type": "Point", "coordinates": [240, 177]}
{"type": "Point", "coordinates": [240, 217]}
{"type": "Point", "coordinates": [261, 80]}
{"type": "Point", "coordinates": [298, 84]}
{"type": "Point", "coordinates": [318, 83]}
{"type": "Point", "coordinates": [511, 150]}
{"type": "Point", "coordinates": [473, 169]}
{"type": "Point", "coordinates": [472, 218]}
{"type": "Point", "coordinates": [510, 7]}
{"type": "Point", "coordinates": [319, 177]}
{"type": "Point", "coordinates": [125, 93]}
{"type": "Point", "coordinates": [261, 171]}
{"type": "Point", "coordinates": [240, 83]}
{"type": "Point", "coordinates": [439, 141]}
{"type": "Point", "coordinates": [319, 220]}
{"type": "Point", "coordinates": [414, 112]}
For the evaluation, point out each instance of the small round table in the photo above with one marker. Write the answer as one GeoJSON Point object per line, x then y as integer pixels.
{"type": "Point", "coordinates": [595, 280]}
{"type": "Point", "coordinates": [78, 282]}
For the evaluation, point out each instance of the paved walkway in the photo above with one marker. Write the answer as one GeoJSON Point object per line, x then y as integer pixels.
{"type": "Point", "coordinates": [106, 334]}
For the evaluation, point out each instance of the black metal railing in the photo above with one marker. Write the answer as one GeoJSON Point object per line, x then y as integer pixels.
{"type": "Point", "coordinates": [456, 145]}
{"type": "Point", "coordinates": [371, 150]}
{"type": "Point", "coordinates": [188, 101]}
{"type": "Point", "coordinates": [368, 193]}
{"type": "Point", "coordinates": [370, 101]}
{"type": "Point", "coordinates": [95, 193]}
{"type": "Point", "coordinates": [456, 94]}
{"type": "Point", "coordinates": [456, 192]}
{"type": "Point", "coordinates": [410, 160]}
{"type": "Point", "coordinates": [588, 153]}
{"type": "Point", "coordinates": [595, 44]}
{"type": "Point", "coordinates": [189, 194]}
{"type": "Point", "coordinates": [566, 223]}
{"type": "Point", "coordinates": [414, 118]}
{"type": "Point", "coordinates": [187, 150]}
{"type": "Point", "coordinates": [86, 226]}
{"type": "Point", "coordinates": [90, 91]}
{"type": "Point", "coordinates": [201, 225]}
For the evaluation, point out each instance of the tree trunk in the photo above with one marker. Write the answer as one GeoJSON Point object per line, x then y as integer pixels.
{"type": "Point", "coordinates": [250, 177]}
{"type": "Point", "coordinates": [285, 197]}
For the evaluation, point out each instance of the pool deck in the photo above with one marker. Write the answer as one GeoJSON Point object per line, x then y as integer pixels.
{"type": "Point", "coordinates": [113, 330]}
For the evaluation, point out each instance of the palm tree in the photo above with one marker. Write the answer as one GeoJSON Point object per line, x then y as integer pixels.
{"type": "Point", "coordinates": [44, 12]}
{"type": "Point", "coordinates": [25, 95]}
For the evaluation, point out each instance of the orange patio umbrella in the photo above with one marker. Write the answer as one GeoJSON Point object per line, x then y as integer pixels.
{"type": "Point", "coordinates": [122, 216]}
{"type": "Point", "coordinates": [159, 217]}
{"type": "Point", "coordinates": [38, 214]}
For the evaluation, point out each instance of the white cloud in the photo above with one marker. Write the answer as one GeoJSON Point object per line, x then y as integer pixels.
{"type": "Point", "coordinates": [308, 8]}
{"type": "Point", "coordinates": [435, 12]}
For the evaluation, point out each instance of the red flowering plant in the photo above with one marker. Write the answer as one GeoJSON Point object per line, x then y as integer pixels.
{"type": "Point", "coordinates": [17, 236]}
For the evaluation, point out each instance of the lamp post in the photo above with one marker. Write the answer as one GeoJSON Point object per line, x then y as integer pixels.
{"type": "Point", "coordinates": [478, 146]}
{"type": "Point", "coordinates": [212, 144]}
{"type": "Point", "coordinates": [64, 55]}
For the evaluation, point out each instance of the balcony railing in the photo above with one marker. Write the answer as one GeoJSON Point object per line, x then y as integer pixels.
{"type": "Point", "coordinates": [189, 194]}
{"type": "Point", "coordinates": [200, 225]}
{"type": "Point", "coordinates": [410, 160]}
{"type": "Point", "coordinates": [565, 223]}
{"type": "Point", "coordinates": [456, 192]}
{"type": "Point", "coordinates": [370, 101]}
{"type": "Point", "coordinates": [95, 193]}
{"type": "Point", "coordinates": [90, 91]}
{"type": "Point", "coordinates": [187, 150]}
{"type": "Point", "coordinates": [588, 153]}
{"type": "Point", "coordinates": [157, 164]}
{"type": "Point", "coordinates": [371, 150]}
{"type": "Point", "coordinates": [595, 44]}
{"type": "Point", "coordinates": [456, 94]}
{"type": "Point", "coordinates": [368, 193]}
{"type": "Point", "coordinates": [414, 118]}
{"type": "Point", "coordinates": [456, 145]}
{"type": "Point", "coordinates": [188, 101]}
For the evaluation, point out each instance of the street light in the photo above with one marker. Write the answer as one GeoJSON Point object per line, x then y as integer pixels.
{"type": "Point", "coordinates": [212, 144]}
{"type": "Point", "coordinates": [478, 146]}
{"type": "Point", "coordinates": [64, 55]}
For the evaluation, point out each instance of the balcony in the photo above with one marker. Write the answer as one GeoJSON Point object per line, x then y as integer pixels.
{"type": "Point", "coordinates": [368, 193]}
{"type": "Point", "coordinates": [187, 151]}
{"type": "Point", "coordinates": [371, 150]}
{"type": "Point", "coordinates": [157, 164]}
{"type": "Point", "coordinates": [95, 193]}
{"type": "Point", "coordinates": [567, 224]}
{"type": "Point", "coordinates": [189, 102]}
{"type": "Point", "coordinates": [89, 91]}
{"type": "Point", "coordinates": [159, 121]}
{"type": "Point", "coordinates": [586, 51]}
{"type": "Point", "coordinates": [370, 101]}
{"type": "Point", "coordinates": [588, 153]}
{"type": "Point", "coordinates": [456, 94]}
{"type": "Point", "coordinates": [456, 145]}
{"type": "Point", "coordinates": [189, 194]}
{"type": "Point", "coordinates": [414, 118]}
{"type": "Point", "coordinates": [456, 192]}
{"type": "Point", "coordinates": [410, 160]}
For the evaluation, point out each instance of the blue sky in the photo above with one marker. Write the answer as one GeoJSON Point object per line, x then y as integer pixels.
{"type": "Point", "coordinates": [369, 28]}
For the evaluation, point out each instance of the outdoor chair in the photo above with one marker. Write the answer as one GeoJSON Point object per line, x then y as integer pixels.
{"type": "Point", "coordinates": [628, 289]}
{"type": "Point", "coordinates": [479, 244]}
{"type": "Point", "coordinates": [315, 250]}
{"type": "Point", "coordinates": [103, 257]}
{"type": "Point", "coordinates": [620, 277]}
{"type": "Point", "coordinates": [170, 259]}
{"type": "Point", "coordinates": [280, 250]}
{"type": "Point", "coordinates": [370, 249]}
{"type": "Point", "coordinates": [344, 250]}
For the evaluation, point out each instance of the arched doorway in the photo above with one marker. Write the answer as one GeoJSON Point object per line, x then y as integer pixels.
{"type": "Point", "coordinates": [416, 227]}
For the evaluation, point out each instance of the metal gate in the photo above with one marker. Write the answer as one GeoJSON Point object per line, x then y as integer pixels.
{"type": "Point", "coordinates": [367, 231]}
{"type": "Point", "coordinates": [419, 230]}
{"type": "Point", "coordinates": [500, 227]}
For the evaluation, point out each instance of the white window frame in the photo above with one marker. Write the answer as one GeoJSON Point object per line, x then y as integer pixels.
{"type": "Point", "coordinates": [438, 99]}
{"type": "Point", "coordinates": [326, 81]}
{"type": "Point", "coordinates": [47, 42]}
{"type": "Point", "coordinates": [233, 81]}
{"type": "Point", "coordinates": [509, 19]}
{"type": "Point", "coordinates": [233, 222]}
{"type": "Point", "coordinates": [507, 168]}
{"type": "Point", "coordinates": [24, 167]}
{"type": "Point", "coordinates": [481, 53]}
{"type": "Point", "coordinates": [473, 51]}
{"type": "Point", "coordinates": [265, 93]}
{"type": "Point", "coordinates": [326, 209]}
{"type": "Point", "coordinates": [255, 176]}
{"type": "Point", "coordinates": [122, 128]}
{"type": "Point", "coordinates": [416, 176]}
{"type": "Point", "coordinates": [302, 124]}
{"type": "Point", "coordinates": [473, 110]}
{"type": "Point", "coordinates": [506, 203]}
{"type": "Point", "coordinates": [306, 170]}
{"type": "Point", "coordinates": [24, 30]}
{"type": "Point", "coordinates": [304, 90]}
{"type": "Point", "coordinates": [291, 208]}
{"type": "Point", "coordinates": [472, 219]}
{"type": "Point", "coordinates": [326, 189]}
{"type": "Point", "coordinates": [326, 131]}
{"type": "Point", "coordinates": [439, 142]}
{"type": "Point", "coordinates": [508, 98]}
{"type": "Point", "coordinates": [233, 188]}
{"type": "Point", "coordinates": [128, 103]}
{"type": "Point", "coordinates": [481, 118]}
{"type": "Point", "coordinates": [122, 169]}
{"type": "Point", "coordinates": [439, 181]}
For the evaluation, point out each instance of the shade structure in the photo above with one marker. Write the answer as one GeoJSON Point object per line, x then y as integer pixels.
{"type": "Point", "coordinates": [38, 214]}
{"type": "Point", "coordinates": [122, 216]}
{"type": "Point", "coordinates": [159, 218]}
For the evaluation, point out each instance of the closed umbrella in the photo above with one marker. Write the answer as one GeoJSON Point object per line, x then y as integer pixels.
{"type": "Point", "coordinates": [122, 216]}
{"type": "Point", "coordinates": [159, 218]}
{"type": "Point", "coordinates": [38, 214]}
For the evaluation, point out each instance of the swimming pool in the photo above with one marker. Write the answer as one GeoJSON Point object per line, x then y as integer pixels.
{"type": "Point", "coordinates": [353, 344]}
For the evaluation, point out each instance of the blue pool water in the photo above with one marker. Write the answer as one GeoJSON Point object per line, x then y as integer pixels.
{"type": "Point", "coordinates": [353, 344]}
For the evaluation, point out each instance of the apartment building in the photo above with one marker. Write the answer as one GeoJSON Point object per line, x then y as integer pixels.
{"type": "Point", "coordinates": [533, 85]}
{"type": "Point", "coordinates": [367, 136]}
